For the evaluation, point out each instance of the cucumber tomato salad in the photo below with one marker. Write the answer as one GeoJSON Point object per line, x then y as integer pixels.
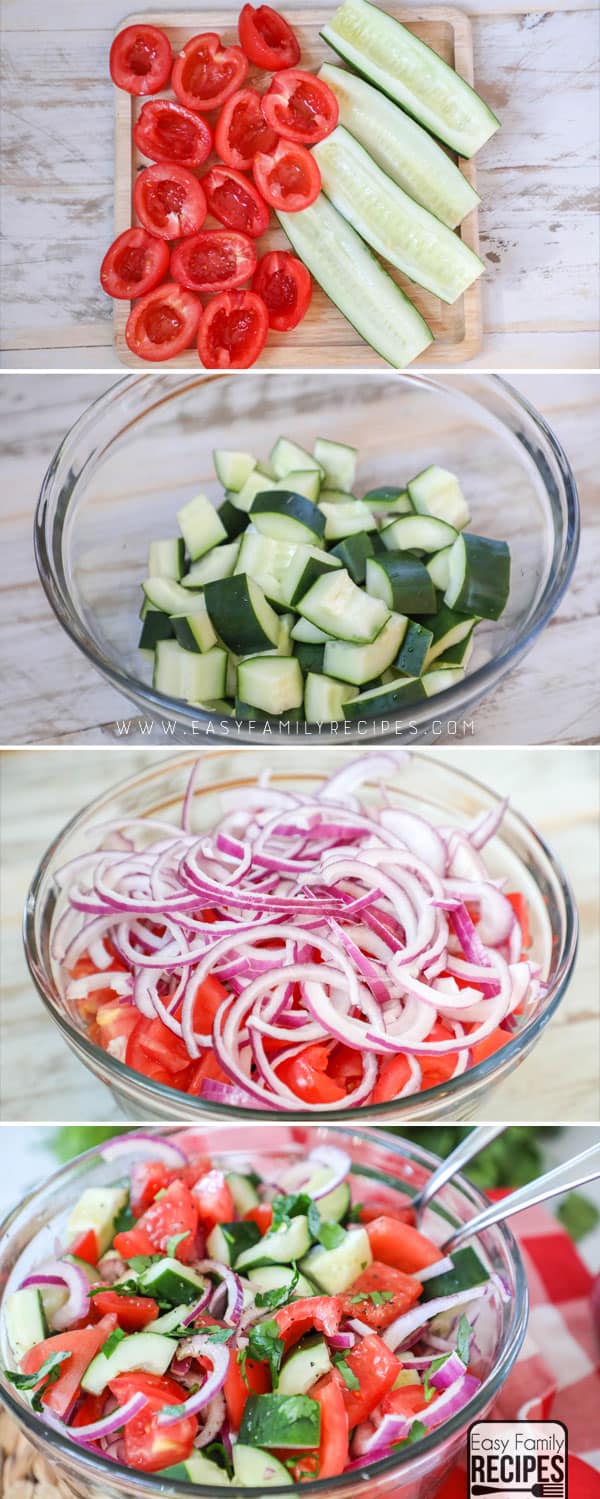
{"type": "Point", "coordinates": [311, 951]}
{"type": "Point", "coordinates": [348, 159]}
{"type": "Point", "coordinates": [297, 600]}
{"type": "Point", "coordinates": [213, 1327]}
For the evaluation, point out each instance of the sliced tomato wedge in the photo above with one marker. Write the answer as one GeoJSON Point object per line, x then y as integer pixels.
{"type": "Point", "coordinates": [163, 323]}
{"type": "Point", "coordinates": [174, 1213]}
{"type": "Point", "coordinates": [306, 1075]}
{"type": "Point", "coordinates": [206, 1068]}
{"type": "Point", "coordinates": [149, 1446]}
{"type": "Point", "coordinates": [166, 131]}
{"type": "Point", "coordinates": [262, 1215]}
{"type": "Point", "coordinates": [285, 286]}
{"type": "Point", "coordinates": [233, 331]}
{"type": "Point", "coordinates": [205, 73]}
{"type": "Point", "coordinates": [394, 1073]}
{"type": "Point", "coordinates": [133, 1313]}
{"type": "Point", "coordinates": [85, 1247]}
{"type": "Point", "coordinates": [158, 1053]}
{"type": "Point", "coordinates": [383, 1209]}
{"type": "Point", "coordinates": [242, 130]}
{"type": "Point", "coordinates": [82, 1346]}
{"type": "Point", "coordinates": [213, 1201]}
{"type": "Point", "coordinates": [235, 201]}
{"type": "Point", "coordinates": [208, 999]}
{"type": "Point", "coordinates": [267, 38]}
{"type": "Point", "coordinates": [169, 200]}
{"type": "Point", "coordinates": [135, 263]}
{"type": "Point", "coordinates": [300, 107]}
{"type": "Point", "coordinates": [214, 260]}
{"type": "Point", "coordinates": [521, 910]}
{"type": "Point", "coordinates": [141, 60]}
{"type": "Point", "coordinates": [288, 177]}
{"type": "Point", "coordinates": [400, 1245]}
{"type": "Point", "coordinates": [320, 1313]}
{"type": "Point", "coordinates": [376, 1369]}
{"type": "Point", "coordinates": [333, 1455]}
{"type": "Point", "coordinates": [147, 1179]}
{"type": "Point", "coordinates": [489, 1046]}
{"type": "Point", "coordinates": [406, 1401]}
{"type": "Point", "coordinates": [256, 1380]}
{"type": "Point", "coordinates": [380, 1295]}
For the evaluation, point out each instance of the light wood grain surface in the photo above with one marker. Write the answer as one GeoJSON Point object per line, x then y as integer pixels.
{"type": "Point", "coordinates": [537, 178]}
{"type": "Point", "coordinates": [324, 336]}
{"type": "Point", "coordinates": [50, 694]}
{"type": "Point", "coordinates": [556, 789]}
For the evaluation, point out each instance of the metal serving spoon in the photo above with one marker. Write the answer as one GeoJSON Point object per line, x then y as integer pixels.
{"type": "Point", "coordinates": [574, 1173]}
{"type": "Point", "coordinates": [465, 1151]}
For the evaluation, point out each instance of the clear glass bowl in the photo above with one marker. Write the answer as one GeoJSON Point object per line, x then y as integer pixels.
{"type": "Point", "coordinates": [28, 1235]}
{"type": "Point", "coordinates": [145, 447]}
{"type": "Point", "coordinates": [424, 782]}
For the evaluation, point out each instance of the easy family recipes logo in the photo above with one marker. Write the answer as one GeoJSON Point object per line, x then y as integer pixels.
{"type": "Point", "coordinates": [509, 1458]}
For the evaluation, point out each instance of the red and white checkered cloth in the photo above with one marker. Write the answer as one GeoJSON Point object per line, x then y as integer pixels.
{"type": "Point", "coordinates": [558, 1372]}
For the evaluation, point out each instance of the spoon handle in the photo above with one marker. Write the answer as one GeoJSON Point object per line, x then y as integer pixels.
{"type": "Point", "coordinates": [475, 1141]}
{"type": "Point", "coordinates": [570, 1174]}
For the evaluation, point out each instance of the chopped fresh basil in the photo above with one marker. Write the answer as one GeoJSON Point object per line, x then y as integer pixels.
{"type": "Point", "coordinates": [46, 1375]}
{"type": "Point", "coordinates": [216, 1334]}
{"type": "Point", "coordinates": [429, 1390]}
{"type": "Point", "coordinates": [279, 1296]}
{"type": "Point", "coordinates": [176, 1239]}
{"type": "Point", "coordinates": [265, 1345]}
{"type": "Point", "coordinates": [463, 1339]}
{"type": "Point", "coordinates": [417, 1431]}
{"type": "Point", "coordinates": [330, 1235]}
{"type": "Point", "coordinates": [112, 1342]}
{"type": "Point", "coordinates": [349, 1377]}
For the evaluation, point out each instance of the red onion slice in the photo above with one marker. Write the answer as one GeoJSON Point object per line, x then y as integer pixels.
{"type": "Point", "coordinates": [401, 1329]}
{"type": "Point", "coordinates": [218, 1356]}
{"type": "Point", "coordinates": [155, 1147]}
{"type": "Point", "coordinates": [235, 1290]}
{"type": "Point", "coordinates": [96, 1430]}
{"type": "Point", "coordinates": [62, 1272]}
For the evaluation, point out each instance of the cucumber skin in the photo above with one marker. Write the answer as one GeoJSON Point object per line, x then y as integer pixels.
{"type": "Point", "coordinates": [486, 584]}
{"type": "Point", "coordinates": [247, 714]}
{"type": "Point", "coordinates": [412, 589]}
{"type": "Point", "coordinates": [388, 700]}
{"type": "Point", "coordinates": [224, 599]}
{"type": "Point", "coordinates": [310, 657]}
{"type": "Point", "coordinates": [353, 552]}
{"type": "Point", "coordinates": [234, 520]}
{"type": "Point", "coordinates": [411, 656]}
{"type": "Point", "coordinates": [282, 502]}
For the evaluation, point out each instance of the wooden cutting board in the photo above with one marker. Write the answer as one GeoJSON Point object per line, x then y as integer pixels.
{"type": "Point", "coordinates": [324, 339]}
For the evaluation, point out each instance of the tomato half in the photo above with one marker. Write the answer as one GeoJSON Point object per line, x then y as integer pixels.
{"type": "Point", "coordinates": [285, 286]}
{"type": "Point", "coordinates": [163, 323]}
{"type": "Point", "coordinates": [306, 1075]}
{"type": "Point", "coordinates": [288, 177]}
{"type": "Point", "coordinates": [206, 73]}
{"type": "Point", "coordinates": [82, 1346]}
{"type": "Point", "coordinates": [135, 263]}
{"type": "Point", "coordinates": [300, 107]}
{"type": "Point", "coordinates": [242, 130]}
{"type": "Point", "coordinates": [400, 1245]}
{"type": "Point", "coordinates": [166, 131]}
{"type": "Point", "coordinates": [215, 260]}
{"type": "Point", "coordinates": [149, 1446]}
{"type": "Point", "coordinates": [141, 60]}
{"type": "Point", "coordinates": [267, 39]}
{"type": "Point", "coordinates": [234, 201]}
{"type": "Point", "coordinates": [401, 1291]}
{"type": "Point", "coordinates": [233, 331]}
{"type": "Point", "coordinates": [376, 1369]}
{"type": "Point", "coordinates": [169, 200]}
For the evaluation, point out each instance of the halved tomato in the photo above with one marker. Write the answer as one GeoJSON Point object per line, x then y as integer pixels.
{"type": "Point", "coordinates": [169, 200]}
{"type": "Point", "coordinates": [141, 60]}
{"type": "Point", "coordinates": [235, 201]}
{"type": "Point", "coordinates": [300, 107]}
{"type": "Point", "coordinates": [206, 73]}
{"type": "Point", "coordinates": [163, 323]}
{"type": "Point", "coordinates": [233, 331]}
{"type": "Point", "coordinates": [288, 177]}
{"type": "Point", "coordinates": [285, 286]}
{"type": "Point", "coordinates": [242, 130]}
{"type": "Point", "coordinates": [215, 260]}
{"type": "Point", "coordinates": [135, 263]}
{"type": "Point", "coordinates": [166, 131]}
{"type": "Point", "coordinates": [267, 39]}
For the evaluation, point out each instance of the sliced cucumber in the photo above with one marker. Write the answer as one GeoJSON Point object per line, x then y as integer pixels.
{"type": "Point", "coordinates": [169, 1321]}
{"type": "Point", "coordinates": [479, 576]}
{"type": "Point", "coordinates": [311, 634]}
{"type": "Point", "coordinates": [167, 559]}
{"type": "Point", "coordinates": [232, 469]}
{"type": "Point", "coordinates": [438, 568]}
{"type": "Point", "coordinates": [166, 594]}
{"type": "Point", "coordinates": [449, 628]}
{"type": "Point", "coordinates": [287, 517]}
{"type": "Point", "coordinates": [182, 674]}
{"type": "Point", "coordinates": [343, 520]}
{"type": "Point", "coordinates": [387, 699]}
{"type": "Point", "coordinates": [402, 582]}
{"type": "Point", "coordinates": [336, 497]}
{"type": "Point", "coordinates": [335, 1269]}
{"type": "Point", "coordinates": [361, 663]}
{"type": "Point", "coordinates": [467, 1270]}
{"type": "Point", "coordinates": [288, 457]}
{"type": "Point", "coordinates": [227, 1241]}
{"type": "Point", "coordinates": [200, 526]}
{"type": "Point", "coordinates": [302, 481]}
{"type": "Point", "coordinates": [281, 1421]}
{"type": "Point", "coordinates": [418, 533]}
{"type": "Point", "coordinates": [335, 604]}
{"type": "Point", "coordinates": [246, 713]}
{"type": "Point", "coordinates": [146, 1352]}
{"type": "Point", "coordinates": [440, 679]}
{"type": "Point", "coordinates": [356, 282]}
{"type": "Point", "coordinates": [280, 1247]}
{"type": "Point", "coordinates": [309, 1361]}
{"type": "Point", "coordinates": [457, 654]}
{"type": "Point", "coordinates": [197, 1470]}
{"type": "Point", "coordinates": [253, 1468]}
{"type": "Point", "coordinates": [25, 1321]}
{"type": "Point", "coordinates": [437, 492]}
{"type": "Point", "coordinates": [195, 631]}
{"type": "Point", "coordinates": [408, 71]}
{"type": "Point", "coordinates": [410, 660]}
{"type": "Point", "coordinates": [241, 615]}
{"type": "Point", "coordinates": [353, 553]}
{"type": "Point", "coordinates": [406, 235]}
{"type": "Point", "coordinates": [157, 626]}
{"type": "Point", "coordinates": [310, 657]}
{"type": "Point", "coordinates": [171, 1281]}
{"type": "Point", "coordinates": [285, 644]}
{"type": "Point", "coordinates": [266, 561]}
{"type": "Point", "coordinates": [275, 1277]}
{"type": "Point", "coordinates": [256, 483]}
{"type": "Point", "coordinates": [272, 683]}
{"type": "Point", "coordinates": [97, 1209]}
{"type": "Point", "coordinates": [303, 569]}
{"type": "Point", "coordinates": [338, 463]}
{"type": "Point", "coordinates": [324, 699]}
{"type": "Point", "coordinates": [401, 147]}
{"type": "Point", "coordinates": [233, 519]}
{"type": "Point", "coordinates": [243, 1191]}
{"type": "Point", "coordinates": [218, 563]}
{"type": "Point", "coordinates": [386, 497]}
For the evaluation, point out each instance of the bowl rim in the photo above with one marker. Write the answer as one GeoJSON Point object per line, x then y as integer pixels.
{"type": "Point", "coordinates": [509, 1352]}
{"type": "Point", "coordinates": [482, 1072]}
{"type": "Point", "coordinates": [456, 699]}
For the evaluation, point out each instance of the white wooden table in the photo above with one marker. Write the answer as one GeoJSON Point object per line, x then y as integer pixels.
{"type": "Point", "coordinates": [535, 66]}
{"type": "Point", "coordinates": [50, 694]}
{"type": "Point", "coordinates": [557, 789]}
